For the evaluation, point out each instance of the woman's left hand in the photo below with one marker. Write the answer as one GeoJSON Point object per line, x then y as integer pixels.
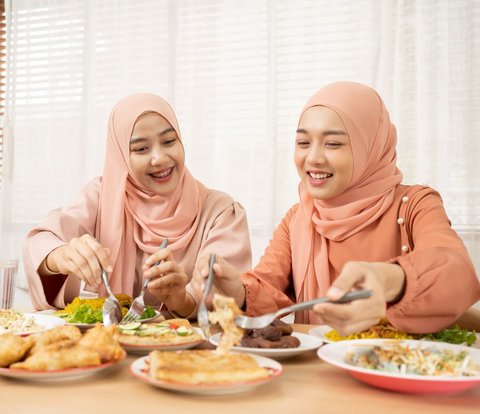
{"type": "Point", "coordinates": [384, 279]}
{"type": "Point", "coordinates": [167, 282]}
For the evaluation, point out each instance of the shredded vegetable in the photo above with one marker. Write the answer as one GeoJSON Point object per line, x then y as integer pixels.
{"type": "Point", "coordinates": [12, 321]}
{"type": "Point", "coordinates": [404, 359]}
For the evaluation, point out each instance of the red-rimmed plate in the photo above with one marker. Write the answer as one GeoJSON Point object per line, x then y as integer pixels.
{"type": "Point", "coordinates": [139, 369]}
{"type": "Point", "coordinates": [145, 349]}
{"type": "Point", "coordinates": [334, 353]}
{"type": "Point", "coordinates": [55, 375]}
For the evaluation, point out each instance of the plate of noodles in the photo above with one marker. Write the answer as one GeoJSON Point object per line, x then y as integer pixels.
{"type": "Point", "coordinates": [18, 323]}
{"type": "Point", "coordinates": [385, 330]}
{"type": "Point", "coordinates": [409, 366]}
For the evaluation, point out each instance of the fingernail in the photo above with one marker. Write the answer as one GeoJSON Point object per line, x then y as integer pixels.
{"type": "Point", "coordinates": [109, 269]}
{"type": "Point", "coordinates": [335, 292]}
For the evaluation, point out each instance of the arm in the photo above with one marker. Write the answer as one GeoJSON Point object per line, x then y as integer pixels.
{"type": "Point", "coordinates": [49, 288]}
{"type": "Point", "coordinates": [269, 286]}
{"type": "Point", "coordinates": [261, 290]}
{"type": "Point", "coordinates": [440, 278]}
{"type": "Point", "coordinates": [225, 232]}
{"type": "Point", "coordinates": [422, 291]}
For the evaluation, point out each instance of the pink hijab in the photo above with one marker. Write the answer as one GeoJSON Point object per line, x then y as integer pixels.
{"type": "Point", "coordinates": [375, 175]}
{"type": "Point", "coordinates": [130, 218]}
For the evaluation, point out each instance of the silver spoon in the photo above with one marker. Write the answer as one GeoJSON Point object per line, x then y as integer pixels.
{"type": "Point", "coordinates": [257, 322]}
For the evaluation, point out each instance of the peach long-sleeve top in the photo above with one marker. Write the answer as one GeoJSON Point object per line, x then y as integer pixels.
{"type": "Point", "coordinates": [414, 232]}
{"type": "Point", "coordinates": [222, 229]}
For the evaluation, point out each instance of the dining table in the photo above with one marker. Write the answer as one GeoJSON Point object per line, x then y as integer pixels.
{"type": "Point", "coordinates": [306, 385]}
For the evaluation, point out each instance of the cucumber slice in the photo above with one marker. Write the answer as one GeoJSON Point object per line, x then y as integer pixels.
{"type": "Point", "coordinates": [130, 326]}
{"type": "Point", "coordinates": [183, 331]}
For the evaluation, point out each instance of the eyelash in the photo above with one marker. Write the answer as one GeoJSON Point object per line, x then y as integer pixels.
{"type": "Point", "coordinates": [167, 143]}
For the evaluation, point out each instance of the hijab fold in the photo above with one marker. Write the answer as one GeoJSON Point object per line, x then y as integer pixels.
{"type": "Point", "coordinates": [375, 176]}
{"type": "Point", "coordinates": [130, 218]}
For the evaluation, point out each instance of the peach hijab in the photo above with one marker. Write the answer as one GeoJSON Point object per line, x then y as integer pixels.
{"type": "Point", "coordinates": [373, 141]}
{"type": "Point", "coordinates": [130, 218]}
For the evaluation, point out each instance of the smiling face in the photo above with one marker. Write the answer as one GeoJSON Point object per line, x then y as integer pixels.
{"type": "Point", "coordinates": [157, 157]}
{"type": "Point", "coordinates": [323, 154]}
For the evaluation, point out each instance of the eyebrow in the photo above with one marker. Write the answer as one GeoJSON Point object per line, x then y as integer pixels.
{"type": "Point", "coordinates": [324, 133]}
{"type": "Point", "coordinates": [140, 139]}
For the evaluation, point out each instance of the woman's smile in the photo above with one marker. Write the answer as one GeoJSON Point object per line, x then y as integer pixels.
{"type": "Point", "coordinates": [162, 176]}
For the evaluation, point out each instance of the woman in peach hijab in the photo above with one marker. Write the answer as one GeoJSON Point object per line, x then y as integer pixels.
{"type": "Point", "coordinates": [118, 222]}
{"type": "Point", "coordinates": [356, 227]}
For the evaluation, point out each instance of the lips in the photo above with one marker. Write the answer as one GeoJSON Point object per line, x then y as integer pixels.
{"type": "Point", "coordinates": [320, 176]}
{"type": "Point", "coordinates": [162, 173]}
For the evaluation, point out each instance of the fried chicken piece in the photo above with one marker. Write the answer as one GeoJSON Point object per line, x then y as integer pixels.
{"type": "Point", "coordinates": [60, 333]}
{"type": "Point", "coordinates": [103, 340]}
{"type": "Point", "coordinates": [13, 348]}
{"type": "Point", "coordinates": [67, 355]}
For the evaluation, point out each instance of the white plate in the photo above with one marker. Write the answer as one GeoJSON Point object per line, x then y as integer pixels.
{"type": "Point", "coordinates": [307, 343]}
{"type": "Point", "coordinates": [46, 322]}
{"type": "Point", "coordinates": [320, 332]}
{"type": "Point", "coordinates": [56, 375]}
{"type": "Point", "coordinates": [145, 349]}
{"type": "Point", "coordinates": [85, 326]}
{"type": "Point", "coordinates": [139, 370]}
{"type": "Point", "coordinates": [334, 353]}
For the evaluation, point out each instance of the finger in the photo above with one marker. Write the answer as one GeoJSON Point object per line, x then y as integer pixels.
{"type": "Point", "coordinates": [160, 270]}
{"type": "Point", "coordinates": [90, 266]}
{"type": "Point", "coordinates": [352, 274]}
{"type": "Point", "coordinates": [158, 256]}
{"type": "Point", "coordinates": [167, 282]}
{"type": "Point", "coordinates": [101, 256]}
{"type": "Point", "coordinates": [80, 268]}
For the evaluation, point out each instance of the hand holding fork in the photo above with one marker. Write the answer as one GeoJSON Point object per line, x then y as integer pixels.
{"type": "Point", "coordinates": [138, 305]}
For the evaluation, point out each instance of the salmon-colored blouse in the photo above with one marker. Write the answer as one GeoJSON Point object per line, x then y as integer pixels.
{"type": "Point", "coordinates": [222, 229]}
{"type": "Point", "coordinates": [414, 232]}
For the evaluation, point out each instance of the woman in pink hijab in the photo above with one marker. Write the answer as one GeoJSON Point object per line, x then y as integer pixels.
{"type": "Point", "coordinates": [118, 222]}
{"type": "Point", "coordinates": [356, 227]}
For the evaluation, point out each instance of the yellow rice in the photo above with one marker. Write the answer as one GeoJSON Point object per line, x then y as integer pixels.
{"type": "Point", "coordinates": [382, 330]}
{"type": "Point", "coordinates": [95, 304]}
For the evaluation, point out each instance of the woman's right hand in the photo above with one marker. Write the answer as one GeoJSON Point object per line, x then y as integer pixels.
{"type": "Point", "coordinates": [83, 257]}
{"type": "Point", "coordinates": [227, 279]}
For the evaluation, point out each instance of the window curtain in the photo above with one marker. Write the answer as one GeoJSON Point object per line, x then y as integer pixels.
{"type": "Point", "coordinates": [237, 73]}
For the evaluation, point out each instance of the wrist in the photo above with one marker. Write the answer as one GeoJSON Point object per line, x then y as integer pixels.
{"type": "Point", "coordinates": [49, 265]}
{"type": "Point", "coordinates": [183, 307]}
{"type": "Point", "coordinates": [394, 282]}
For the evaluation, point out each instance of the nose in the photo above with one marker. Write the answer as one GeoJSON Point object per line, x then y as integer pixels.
{"type": "Point", "coordinates": [316, 154]}
{"type": "Point", "coordinates": [158, 156]}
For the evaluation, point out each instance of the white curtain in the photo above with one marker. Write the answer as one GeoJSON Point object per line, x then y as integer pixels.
{"type": "Point", "coordinates": [237, 73]}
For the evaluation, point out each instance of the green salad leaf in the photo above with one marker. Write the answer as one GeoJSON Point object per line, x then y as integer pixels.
{"type": "Point", "coordinates": [149, 312]}
{"type": "Point", "coordinates": [453, 335]}
{"type": "Point", "coordinates": [85, 314]}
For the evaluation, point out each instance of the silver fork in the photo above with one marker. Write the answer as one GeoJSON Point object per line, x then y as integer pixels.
{"type": "Point", "coordinates": [138, 304]}
{"type": "Point", "coordinates": [257, 322]}
{"type": "Point", "coordinates": [111, 311]}
{"type": "Point", "coordinates": [202, 313]}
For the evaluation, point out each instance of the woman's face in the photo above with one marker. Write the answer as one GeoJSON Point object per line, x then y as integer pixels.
{"type": "Point", "coordinates": [156, 154]}
{"type": "Point", "coordinates": [323, 154]}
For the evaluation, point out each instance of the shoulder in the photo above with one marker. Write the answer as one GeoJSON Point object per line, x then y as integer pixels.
{"type": "Point", "coordinates": [92, 189]}
{"type": "Point", "coordinates": [412, 196]}
{"type": "Point", "coordinates": [217, 203]}
{"type": "Point", "coordinates": [218, 200]}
